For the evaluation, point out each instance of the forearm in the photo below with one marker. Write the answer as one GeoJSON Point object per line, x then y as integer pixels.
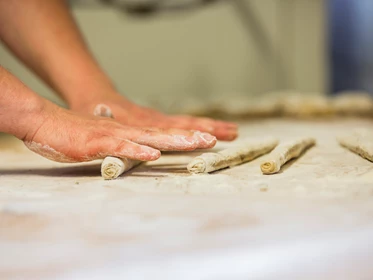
{"type": "Point", "coordinates": [44, 36]}
{"type": "Point", "coordinates": [19, 106]}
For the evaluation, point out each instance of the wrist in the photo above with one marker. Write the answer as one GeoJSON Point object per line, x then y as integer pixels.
{"type": "Point", "coordinates": [24, 117]}
{"type": "Point", "coordinates": [20, 108]}
{"type": "Point", "coordinates": [81, 83]}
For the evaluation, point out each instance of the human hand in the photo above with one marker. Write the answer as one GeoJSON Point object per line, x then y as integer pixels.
{"type": "Point", "coordinates": [128, 113]}
{"type": "Point", "coordinates": [66, 136]}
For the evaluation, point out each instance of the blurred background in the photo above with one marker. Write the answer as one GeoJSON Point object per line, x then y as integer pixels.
{"type": "Point", "coordinates": [351, 44]}
{"type": "Point", "coordinates": [169, 54]}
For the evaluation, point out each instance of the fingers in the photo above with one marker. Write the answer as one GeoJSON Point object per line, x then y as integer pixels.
{"type": "Point", "coordinates": [204, 140]}
{"type": "Point", "coordinates": [122, 148]}
{"type": "Point", "coordinates": [222, 130]}
{"type": "Point", "coordinates": [209, 122]}
{"type": "Point", "coordinates": [165, 140]}
{"type": "Point", "coordinates": [182, 125]}
{"type": "Point", "coordinates": [161, 140]}
{"type": "Point", "coordinates": [227, 134]}
{"type": "Point", "coordinates": [225, 124]}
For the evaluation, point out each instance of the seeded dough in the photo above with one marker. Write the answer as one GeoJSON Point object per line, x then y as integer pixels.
{"type": "Point", "coordinates": [353, 103]}
{"type": "Point", "coordinates": [209, 162]}
{"type": "Point", "coordinates": [249, 107]}
{"type": "Point", "coordinates": [305, 105]}
{"type": "Point", "coordinates": [359, 141]}
{"type": "Point", "coordinates": [112, 167]}
{"type": "Point", "coordinates": [285, 152]}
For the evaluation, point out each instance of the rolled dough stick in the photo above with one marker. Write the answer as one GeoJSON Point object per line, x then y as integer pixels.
{"type": "Point", "coordinates": [209, 162]}
{"type": "Point", "coordinates": [285, 152]}
{"type": "Point", "coordinates": [353, 103]}
{"type": "Point", "coordinates": [112, 167]}
{"type": "Point", "coordinates": [250, 107]}
{"type": "Point", "coordinates": [306, 105]}
{"type": "Point", "coordinates": [360, 142]}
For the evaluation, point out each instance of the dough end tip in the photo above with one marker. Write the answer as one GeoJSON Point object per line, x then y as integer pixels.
{"type": "Point", "coordinates": [269, 167]}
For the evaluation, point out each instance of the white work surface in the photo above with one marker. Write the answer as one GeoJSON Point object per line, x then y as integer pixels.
{"type": "Point", "coordinates": [313, 220]}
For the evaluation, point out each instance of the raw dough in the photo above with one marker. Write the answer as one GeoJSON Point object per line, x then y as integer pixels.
{"type": "Point", "coordinates": [209, 162]}
{"type": "Point", "coordinates": [285, 152]}
{"type": "Point", "coordinates": [250, 107]}
{"type": "Point", "coordinates": [112, 167]}
{"type": "Point", "coordinates": [288, 103]}
{"type": "Point", "coordinates": [306, 105]}
{"type": "Point", "coordinates": [359, 141]}
{"type": "Point", "coordinates": [353, 103]}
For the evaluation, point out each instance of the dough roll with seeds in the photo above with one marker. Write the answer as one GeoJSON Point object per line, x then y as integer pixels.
{"type": "Point", "coordinates": [251, 149]}
{"type": "Point", "coordinates": [359, 141]}
{"type": "Point", "coordinates": [112, 167]}
{"type": "Point", "coordinates": [285, 152]}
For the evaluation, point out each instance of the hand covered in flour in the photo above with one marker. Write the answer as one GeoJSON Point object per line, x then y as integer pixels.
{"type": "Point", "coordinates": [128, 113]}
{"type": "Point", "coordinates": [65, 136]}
{"type": "Point", "coordinates": [58, 54]}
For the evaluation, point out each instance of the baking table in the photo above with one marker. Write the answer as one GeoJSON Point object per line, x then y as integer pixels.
{"type": "Point", "coordinates": [313, 220]}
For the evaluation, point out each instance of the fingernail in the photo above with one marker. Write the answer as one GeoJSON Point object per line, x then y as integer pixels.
{"type": "Point", "coordinates": [155, 153]}
{"type": "Point", "coordinates": [208, 137]}
{"type": "Point", "coordinates": [152, 154]}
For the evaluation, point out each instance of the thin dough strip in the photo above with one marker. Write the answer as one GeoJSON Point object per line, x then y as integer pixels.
{"type": "Point", "coordinates": [209, 162]}
{"type": "Point", "coordinates": [285, 152]}
{"type": "Point", "coordinates": [360, 142]}
{"type": "Point", "coordinates": [112, 167]}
